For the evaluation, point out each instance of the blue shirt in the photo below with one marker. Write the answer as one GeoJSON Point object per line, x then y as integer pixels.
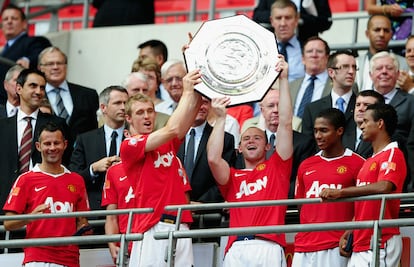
{"type": "Point", "coordinates": [294, 52]}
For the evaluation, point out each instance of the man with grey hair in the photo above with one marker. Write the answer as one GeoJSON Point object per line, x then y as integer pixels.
{"type": "Point", "coordinates": [384, 71]}
{"type": "Point", "coordinates": [95, 151]}
{"type": "Point", "coordinates": [172, 73]}
{"type": "Point", "coordinates": [75, 103]}
{"type": "Point", "coordinates": [136, 83]}
{"type": "Point", "coordinates": [10, 85]}
{"type": "Point", "coordinates": [379, 34]}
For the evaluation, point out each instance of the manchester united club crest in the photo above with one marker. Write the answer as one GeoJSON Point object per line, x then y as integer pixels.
{"type": "Point", "coordinates": [72, 188]}
{"type": "Point", "coordinates": [373, 166]}
{"type": "Point", "coordinates": [261, 167]}
{"type": "Point", "coordinates": [341, 169]}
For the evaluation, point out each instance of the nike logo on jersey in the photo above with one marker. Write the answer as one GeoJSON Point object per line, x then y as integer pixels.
{"type": "Point", "coordinates": [310, 172]}
{"type": "Point", "coordinates": [239, 174]}
{"type": "Point", "coordinates": [37, 189]}
{"type": "Point", "coordinates": [122, 178]}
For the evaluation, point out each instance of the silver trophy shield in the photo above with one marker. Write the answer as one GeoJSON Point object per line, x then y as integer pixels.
{"type": "Point", "coordinates": [237, 58]}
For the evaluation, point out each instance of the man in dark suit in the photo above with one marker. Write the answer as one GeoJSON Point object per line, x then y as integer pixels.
{"type": "Point", "coordinates": [284, 18]}
{"type": "Point", "coordinates": [384, 73]}
{"type": "Point", "coordinates": [342, 71]}
{"type": "Point", "coordinates": [363, 100]}
{"type": "Point", "coordinates": [315, 56]}
{"type": "Point", "coordinates": [13, 101]}
{"type": "Point", "coordinates": [123, 12]}
{"type": "Point", "coordinates": [80, 103]}
{"type": "Point", "coordinates": [310, 24]}
{"type": "Point", "coordinates": [92, 155]}
{"type": "Point", "coordinates": [303, 146]}
{"type": "Point", "coordinates": [20, 47]}
{"type": "Point", "coordinates": [203, 185]}
{"type": "Point", "coordinates": [31, 90]}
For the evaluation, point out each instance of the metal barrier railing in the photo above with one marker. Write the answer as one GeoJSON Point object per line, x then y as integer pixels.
{"type": "Point", "coordinates": [88, 239]}
{"type": "Point", "coordinates": [172, 236]}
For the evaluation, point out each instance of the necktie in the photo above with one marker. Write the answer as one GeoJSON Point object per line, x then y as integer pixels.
{"type": "Point", "coordinates": [112, 148]}
{"type": "Point", "coordinates": [283, 50]}
{"type": "Point", "coordinates": [5, 48]}
{"type": "Point", "coordinates": [340, 103]}
{"type": "Point", "coordinates": [26, 146]}
{"type": "Point", "coordinates": [189, 156]}
{"type": "Point", "coordinates": [358, 142]}
{"type": "Point", "coordinates": [272, 146]}
{"type": "Point", "coordinates": [307, 96]}
{"type": "Point", "coordinates": [60, 108]}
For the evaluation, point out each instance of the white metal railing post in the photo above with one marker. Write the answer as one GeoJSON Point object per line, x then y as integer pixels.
{"type": "Point", "coordinates": [375, 243]}
{"type": "Point", "coordinates": [172, 241]}
{"type": "Point", "coordinates": [193, 11]}
{"type": "Point", "coordinates": [212, 10]}
{"type": "Point", "coordinates": [85, 18]}
{"type": "Point", "coordinates": [123, 250]}
{"type": "Point", "coordinates": [376, 236]}
{"type": "Point", "coordinates": [361, 5]}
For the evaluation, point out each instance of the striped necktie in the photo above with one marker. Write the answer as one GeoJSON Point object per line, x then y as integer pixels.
{"type": "Point", "coordinates": [60, 107]}
{"type": "Point", "coordinates": [26, 146]}
{"type": "Point", "coordinates": [307, 96]}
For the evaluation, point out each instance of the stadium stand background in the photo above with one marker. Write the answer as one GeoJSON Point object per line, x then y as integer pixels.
{"type": "Point", "coordinates": [102, 56]}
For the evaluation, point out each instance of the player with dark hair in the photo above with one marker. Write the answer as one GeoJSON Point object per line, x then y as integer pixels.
{"type": "Point", "coordinates": [334, 166]}
{"type": "Point", "coordinates": [48, 188]}
{"type": "Point", "coordinates": [383, 173]}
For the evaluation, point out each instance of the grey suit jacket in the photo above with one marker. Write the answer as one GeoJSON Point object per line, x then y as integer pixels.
{"type": "Point", "coordinates": [404, 134]}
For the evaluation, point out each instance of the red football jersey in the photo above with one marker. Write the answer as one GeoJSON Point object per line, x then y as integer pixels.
{"type": "Point", "coordinates": [268, 181]}
{"type": "Point", "coordinates": [160, 179]}
{"type": "Point", "coordinates": [387, 165]}
{"type": "Point", "coordinates": [64, 193]}
{"type": "Point", "coordinates": [314, 174]}
{"type": "Point", "coordinates": [119, 190]}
